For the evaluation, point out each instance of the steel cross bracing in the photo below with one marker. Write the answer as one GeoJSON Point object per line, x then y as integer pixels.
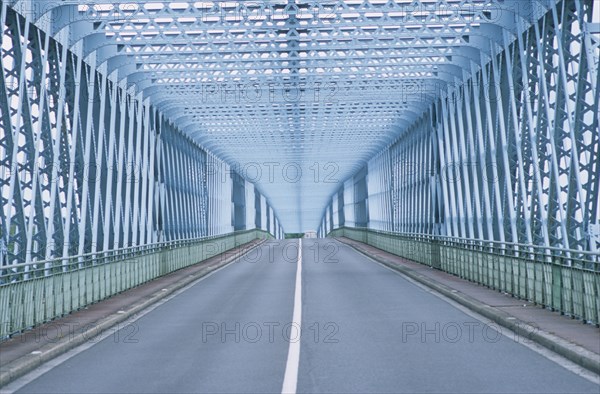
{"type": "Point", "coordinates": [88, 164]}
{"type": "Point", "coordinates": [230, 63]}
{"type": "Point", "coordinates": [510, 152]}
{"type": "Point", "coordinates": [275, 88]}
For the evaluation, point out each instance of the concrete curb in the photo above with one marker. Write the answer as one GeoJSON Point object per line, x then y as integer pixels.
{"type": "Point", "coordinates": [27, 363]}
{"type": "Point", "coordinates": [575, 353]}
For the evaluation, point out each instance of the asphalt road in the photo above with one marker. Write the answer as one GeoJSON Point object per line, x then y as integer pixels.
{"type": "Point", "coordinates": [364, 329]}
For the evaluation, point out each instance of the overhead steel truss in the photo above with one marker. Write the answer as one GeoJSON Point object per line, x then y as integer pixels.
{"type": "Point", "coordinates": [510, 152]}
{"type": "Point", "coordinates": [295, 97]}
{"type": "Point", "coordinates": [89, 164]}
{"type": "Point", "coordinates": [276, 74]}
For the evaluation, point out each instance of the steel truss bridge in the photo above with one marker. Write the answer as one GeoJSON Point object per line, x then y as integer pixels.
{"type": "Point", "coordinates": [135, 130]}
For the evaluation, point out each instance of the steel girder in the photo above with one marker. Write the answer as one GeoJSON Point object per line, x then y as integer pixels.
{"type": "Point", "coordinates": [321, 68]}
{"type": "Point", "coordinates": [511, 151]}
{"type": "Point", "coordinates": [88, 164]}
{"type": "Point", "coordinates": [168, 48]}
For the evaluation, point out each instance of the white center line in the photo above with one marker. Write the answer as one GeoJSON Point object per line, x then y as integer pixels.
{"type": "Point", "coordinates": [290, 379]}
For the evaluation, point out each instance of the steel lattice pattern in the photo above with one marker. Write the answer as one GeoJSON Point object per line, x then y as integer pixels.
{"type": "Point", "coordinates": [129, 122]}
{"type": "Point", "coordinates": [510, 153]}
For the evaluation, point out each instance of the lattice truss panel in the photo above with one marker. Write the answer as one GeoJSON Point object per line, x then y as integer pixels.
{"type": "Point", "coordinates": [380, 186]}
{"type": "Point", "coordinates": [413, 162]}
{"type": "Point", "coordinates": [510, 152]}
{"type": "Point", "coordinates": [326, 85]}
{"type": "Point", "coordinates": [275, 75]}
{"type": "Point", "coordinates": [87, 164]}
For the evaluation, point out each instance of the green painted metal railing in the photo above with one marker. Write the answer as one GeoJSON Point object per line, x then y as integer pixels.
{"type": "Point", "coordinates": [35, 293]}
{"type": "Point", "coordinates": [567, 281]}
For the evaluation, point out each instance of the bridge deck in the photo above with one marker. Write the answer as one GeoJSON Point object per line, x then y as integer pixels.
{"type": "Point", "coordinates": [364, 329]}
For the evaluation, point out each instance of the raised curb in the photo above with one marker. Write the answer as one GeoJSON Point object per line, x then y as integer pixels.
{"type": "Point", "coordinates": [27, 363]}
{"type": "Point", "coordinates": [575, 353]}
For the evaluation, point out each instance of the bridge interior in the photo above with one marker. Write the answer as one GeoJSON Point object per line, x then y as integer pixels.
{"type": "Point", "coordinates": [127, 123]}
{"type": "Point", "coordinates": [137, 135]}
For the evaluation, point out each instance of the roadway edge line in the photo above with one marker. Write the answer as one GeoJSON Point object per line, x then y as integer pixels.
{"type": "Point", "coordinates": [572, 352]}
{"type": "Point", "coordinates": [29, 362]}
{"type": "Point", "coordinates": [290, 379]}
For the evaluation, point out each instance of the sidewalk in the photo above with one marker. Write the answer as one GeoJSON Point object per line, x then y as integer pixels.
{"type": "Point", "coordinates": [24, 352]}
{"type": "Point", "coordinates": [569, 338]}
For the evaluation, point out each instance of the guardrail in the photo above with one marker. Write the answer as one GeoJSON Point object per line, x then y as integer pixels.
{"type": "Point", "coordinates": [567, 281]}
{"type": "Point", "coordinates": [37, 292]}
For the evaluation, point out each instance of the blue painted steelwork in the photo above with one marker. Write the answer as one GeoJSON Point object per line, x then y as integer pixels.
{"type": "Point", "coordinates": [88, 162]}
{"type": "Point", "coordinates": [127, 122]}
{"type": "Point", "coordinates": [510, 150]}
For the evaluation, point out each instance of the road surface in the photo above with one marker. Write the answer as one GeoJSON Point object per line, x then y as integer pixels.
{"type": "Point", "coordinates": [364, 329]}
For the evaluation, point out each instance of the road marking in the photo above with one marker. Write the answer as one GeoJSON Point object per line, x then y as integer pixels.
{"type": "Point", "coordinates": [290, 379]}
{"type": "Point", "coordinates": [29, 377]}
